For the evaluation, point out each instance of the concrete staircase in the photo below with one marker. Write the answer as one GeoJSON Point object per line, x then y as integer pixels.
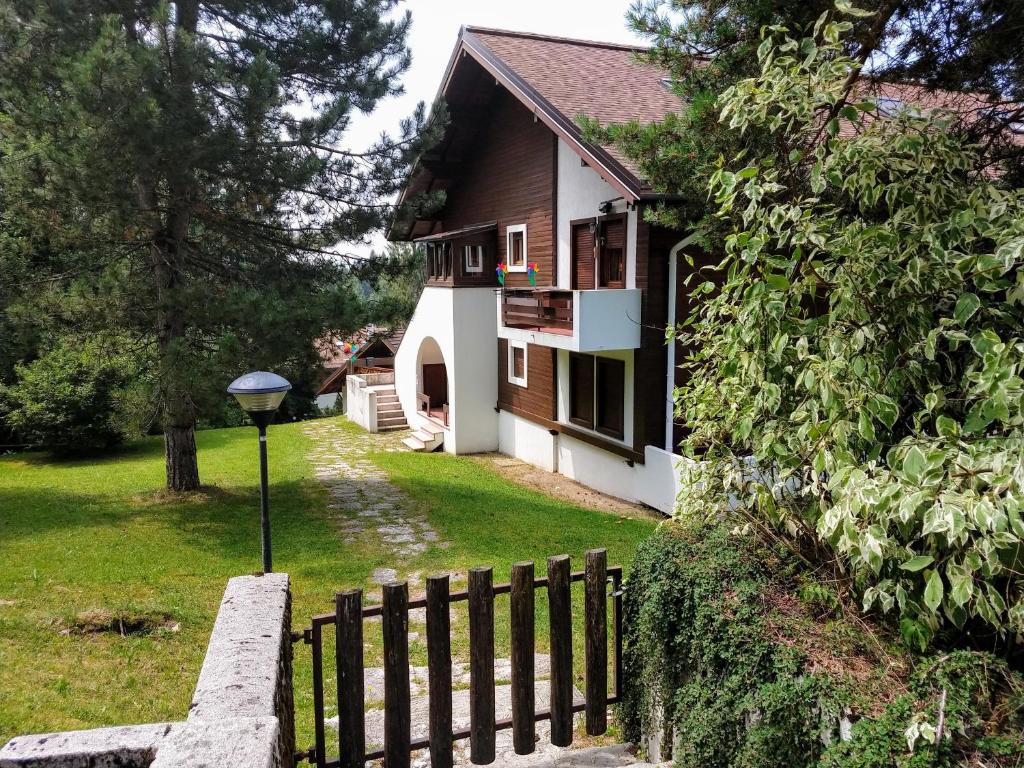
{"type": "Point", "coordinates": [390, 416]}
{"type": "Point", "coordinates": [426, 439]}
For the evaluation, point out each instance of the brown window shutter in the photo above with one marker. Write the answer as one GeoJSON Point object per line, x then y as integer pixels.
{"type": "Point", "coordinates": [611, 396]}
{"type": "Point", "coordinates": [581, 383]}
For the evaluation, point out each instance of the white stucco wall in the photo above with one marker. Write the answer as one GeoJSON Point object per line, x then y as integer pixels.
{"type": "Point", "coordinates": [360, 403]}
{"type": "Point", "coordinates": [526, 441]}
{"type": "Point", "coordinates": [580, 191]}
{"type": "Point", "coordinates": [462, 322]}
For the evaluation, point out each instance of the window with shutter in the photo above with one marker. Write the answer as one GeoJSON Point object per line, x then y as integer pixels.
{"type": "Point", "coordinates": [613, 253]}
{"type": "Point", "coordinates": [581, 396]}
{"type": "Point", "coordinates": [610, 400]}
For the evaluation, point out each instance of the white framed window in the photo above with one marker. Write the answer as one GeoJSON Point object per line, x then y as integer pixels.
{"type": "Point", "coordinates": [515, 254]}
{"type": "Point", "coordinates": [473, 258]}
{"type": "Point", "coordinates": [517, 364]}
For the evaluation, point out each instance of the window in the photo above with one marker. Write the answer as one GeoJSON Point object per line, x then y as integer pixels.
{"type": "Point", "coordinates": [597, 396]}
{"type": "Point", "coordinates": [515, 256]}
{"type": "Point", "coordinates": [473, 258]}
{"type": "Point", "coordinates": [581, 390]}
{"type": "Point", "coordinates": [517, 363]}
{"type": "Point", "coordinates": [439, 261]}
{"type": "Point", "coordinates": [613, 253]}
{"type": "Point", "coordinates": [611, 396]}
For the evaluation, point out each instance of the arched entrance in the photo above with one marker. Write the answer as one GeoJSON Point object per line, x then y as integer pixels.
{"type": "Point", "coordinates": [432, 382]}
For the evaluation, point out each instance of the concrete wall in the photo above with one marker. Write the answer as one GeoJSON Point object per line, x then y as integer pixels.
{"type": "Point", "coordinates": [462, 323]}
{"type": "Point", "coordinates": [360, 403]}
{"type": "Point", "coordinates": [654, 483]}
{"type": "Point", "coordinates": [242, 714]}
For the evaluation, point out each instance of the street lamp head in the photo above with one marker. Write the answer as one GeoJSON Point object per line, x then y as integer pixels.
{"type": "Point", "coordinates": [259, 392]}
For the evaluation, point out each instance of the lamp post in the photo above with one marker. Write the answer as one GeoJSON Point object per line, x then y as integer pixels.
{"type": "Point", "coordinates": [260, 393]}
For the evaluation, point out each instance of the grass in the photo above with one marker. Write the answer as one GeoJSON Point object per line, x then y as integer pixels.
{"type": "Point", "coordinates": [98, 536]}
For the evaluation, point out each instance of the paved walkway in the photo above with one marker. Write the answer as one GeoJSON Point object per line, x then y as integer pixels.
{"type": "Point", "coordinates": [369, 505]}
{"type": "Point", "coordinates": [360, 491]}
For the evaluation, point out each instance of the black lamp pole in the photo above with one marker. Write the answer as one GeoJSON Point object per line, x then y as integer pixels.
{"type": "Point", "coordinates": [261, 425]}
{"type": "Point", "coordinates": [260, 393]}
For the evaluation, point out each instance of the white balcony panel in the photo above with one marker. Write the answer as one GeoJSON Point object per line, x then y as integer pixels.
{"type": "Point", "coordinates": [602, 319]}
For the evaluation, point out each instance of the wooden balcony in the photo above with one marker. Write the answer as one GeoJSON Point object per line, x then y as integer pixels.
{"type": "Point", "coordinates": [546, 310]}
{"type": "Point", "coordinates": [579, 321]}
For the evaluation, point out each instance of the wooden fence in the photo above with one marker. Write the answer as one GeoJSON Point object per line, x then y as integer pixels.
{"type": "Point", "coordinates": [480, 594]}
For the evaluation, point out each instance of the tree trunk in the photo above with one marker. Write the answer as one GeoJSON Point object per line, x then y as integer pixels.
{"type": "Point", "coordinates": [180, 455]}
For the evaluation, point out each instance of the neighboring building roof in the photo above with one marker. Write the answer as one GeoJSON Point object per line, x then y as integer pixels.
{"type": "Point", "coordinates": [332, 355]}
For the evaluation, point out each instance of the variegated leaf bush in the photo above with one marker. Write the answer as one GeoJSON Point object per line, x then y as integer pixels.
{"type": "Point", "coordinates": [855, 386]}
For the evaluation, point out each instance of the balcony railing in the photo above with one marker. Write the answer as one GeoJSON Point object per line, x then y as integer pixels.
{"type": "Point", "coordinates": [578, 321]}
{"type": "Point", "coordinates": [545, 310]}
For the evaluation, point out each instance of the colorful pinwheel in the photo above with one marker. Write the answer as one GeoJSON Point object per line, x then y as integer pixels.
{"type": "Point", "coordinates": [501, 273]}
{"type": "Point", "coordinates": [531, 272]}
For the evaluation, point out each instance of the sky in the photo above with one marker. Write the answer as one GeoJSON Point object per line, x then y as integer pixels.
{"type": "Point", "coordinates": [435, 28]}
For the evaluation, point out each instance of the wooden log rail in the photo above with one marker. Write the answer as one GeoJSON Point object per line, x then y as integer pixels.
{"type": "Point", "coordinates": [537, 308]}
{"type": "Point", "coordinates": [348, 618]}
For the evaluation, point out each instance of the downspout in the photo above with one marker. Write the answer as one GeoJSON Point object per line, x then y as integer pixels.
{"type": "Point", "coordinates": [670, 358]}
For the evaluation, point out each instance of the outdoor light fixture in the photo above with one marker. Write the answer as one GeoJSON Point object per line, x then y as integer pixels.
{"type": "Point", "coordinates": [260, 393]}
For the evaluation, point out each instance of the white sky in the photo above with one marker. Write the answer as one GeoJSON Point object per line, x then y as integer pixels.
{"type": "Point", "coordinates": [435, 27]}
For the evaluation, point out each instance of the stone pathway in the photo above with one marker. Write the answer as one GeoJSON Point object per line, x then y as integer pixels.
{"type": "Point", "coordinates": [368, 505]}
{"type": "Point", "coordinates": [364, 498]}
{"type": "Point", "coordinates": [545, 755]}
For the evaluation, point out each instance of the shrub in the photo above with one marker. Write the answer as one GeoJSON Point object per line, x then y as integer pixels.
{"type": "Point", "coordinates": [865, 346]}
{"type": "Point", "coordinates": [79, 396]}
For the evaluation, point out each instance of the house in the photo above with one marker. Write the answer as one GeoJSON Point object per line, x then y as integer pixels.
{"type": "Point", "coordinates": [370, 351]}
{"type": "Point", "coordinates": [565, 365]}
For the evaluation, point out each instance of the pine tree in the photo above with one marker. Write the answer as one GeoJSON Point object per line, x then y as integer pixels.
{"type": "Point", "coordinates": [185, 163]}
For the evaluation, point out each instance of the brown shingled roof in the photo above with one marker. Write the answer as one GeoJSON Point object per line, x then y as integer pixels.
{"type": "Point", "coordinates": [578, 77]}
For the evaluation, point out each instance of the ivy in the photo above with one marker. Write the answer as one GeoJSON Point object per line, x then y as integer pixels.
{"type": "Point", "coordinates": [717, 642]}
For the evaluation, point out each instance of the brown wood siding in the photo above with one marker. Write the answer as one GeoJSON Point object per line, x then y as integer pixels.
{"type": "Point", "coordinates": [652, 248]}
{"type": "Point", "coordinates": [509, 177]}
{"type": "Point", "coordinates": [538, 396]}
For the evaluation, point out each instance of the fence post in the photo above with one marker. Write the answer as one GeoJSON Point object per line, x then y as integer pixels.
{"type": "Point", "coordinates": [439, 671]}
{"type": "Point", "coordinates": [349, 662]}
{"type": "Point", "coordinates": [560, 619]}
{"type": "Point", "coordinates": [481, 666]}
{"type": "Point", "coordinates": [397, 715]}
{"type": "Point", "coordinates": [523, 643]}
{"type": "Point", "coordinates": [596, 617]}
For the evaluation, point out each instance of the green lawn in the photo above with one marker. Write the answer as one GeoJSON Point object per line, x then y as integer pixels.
{"type": "Point", "coordinates": [100, 535]}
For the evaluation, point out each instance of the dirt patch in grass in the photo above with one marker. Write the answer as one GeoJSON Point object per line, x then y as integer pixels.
{"type": "Point", "coordinates": [561, 487]}
{"type": "Point", "coordinates": [123, 623]}
{"type": "Point", "coordinates": [208, 494]}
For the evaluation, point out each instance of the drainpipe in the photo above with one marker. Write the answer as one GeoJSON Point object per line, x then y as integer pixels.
{"type": "Point", "coordinates": [670, 359]}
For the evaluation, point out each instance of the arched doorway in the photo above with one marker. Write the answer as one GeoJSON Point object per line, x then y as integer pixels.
{"type": "Point", "coordinates": [432, 382]}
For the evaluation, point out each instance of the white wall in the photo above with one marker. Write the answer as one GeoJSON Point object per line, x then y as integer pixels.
{"type": "Point", "coordinates": [580, 191]}
{"type": "Point", "coordinates": [473, 372]}
{"type": "Point", "coordinates": [526, 441]}
{"type": "Point", "coordinates": [462, 322]}
{"type": "Point", "coordinates": [360, 403]}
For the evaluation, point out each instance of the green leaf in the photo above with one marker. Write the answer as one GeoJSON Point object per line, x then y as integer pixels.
{"type": "Point", "coordinates": [865, 427]}
{"type": "Point", "coordinates": [966, 306]}
{"type": "Point", "coordinates": [933, 591]}
{"type": "Point", "coordinates": [946, 426]}
{"type": "Point", "coordinates": [918, 563]}
{"type": "Point", "coordinates": [914, 464]}
{"type": "Point", "coordinates": [777, 282]}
